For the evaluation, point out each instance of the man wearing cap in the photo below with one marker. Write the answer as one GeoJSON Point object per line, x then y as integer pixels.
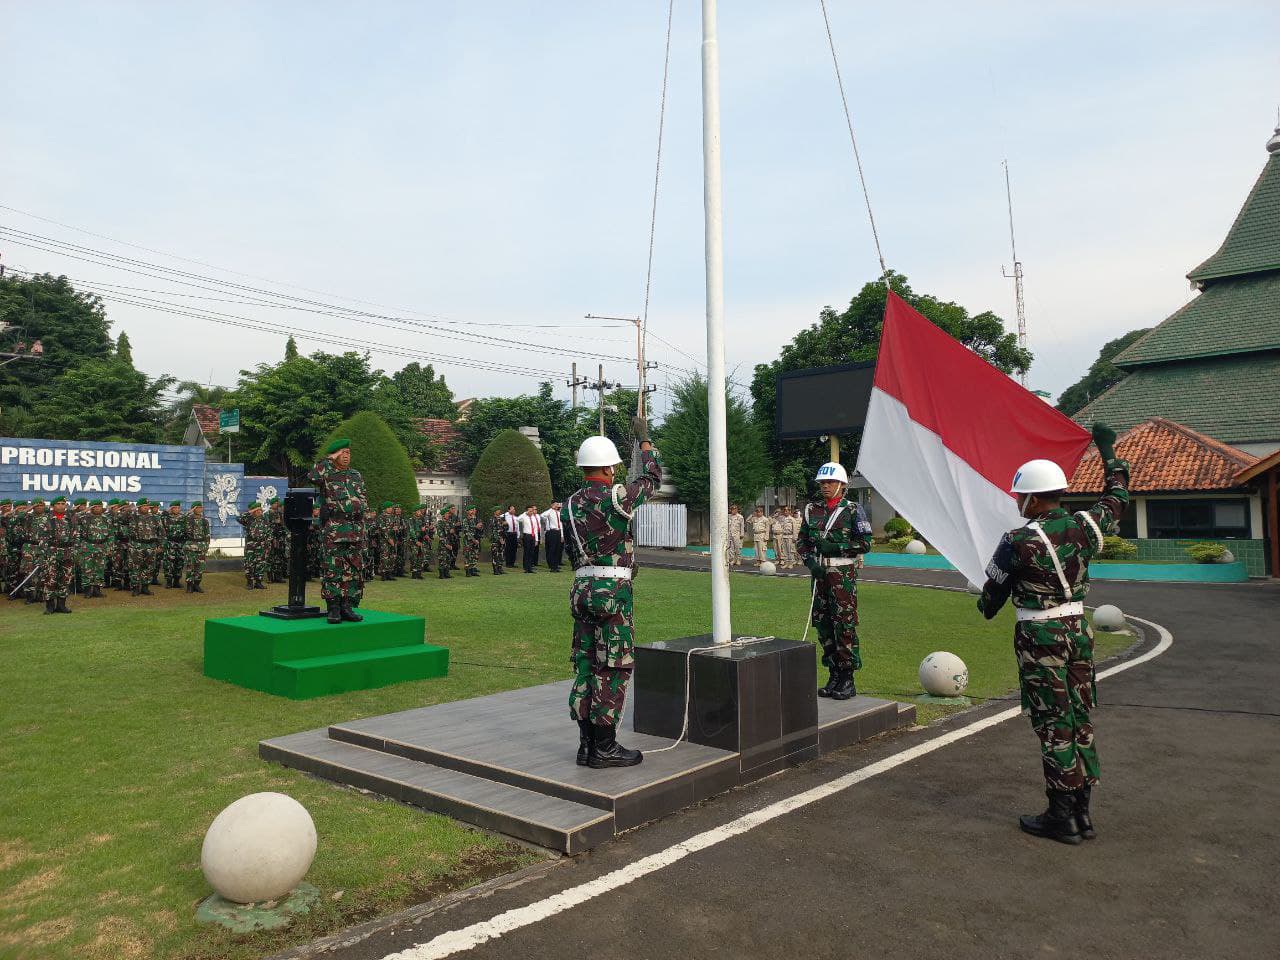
{"type": "Point", "coordinates": [195, 546]}
{"type": "Point", "coordinates": [59, 557]}
{"type": "Point", "coordinates": [255, 546]}
{"type": "Point", "coordinates": [1044, 568]}
{"type": "Point", "coordinates": [173, 526]}
{"type": "Point", "coordinates": [834, 534]}
{"type": "Point", "coordinates": [343, 501]}
{"type": "Point", "coordinates": [145, 532]}
{"type": "Point", "coordinates": [97, 534]}
{"type": "Point", "coordinates": [597, 523]}
{"type": "Point", "coordinates": [760, 527]}
{"type": "Point", "coordinates": [497, 541]}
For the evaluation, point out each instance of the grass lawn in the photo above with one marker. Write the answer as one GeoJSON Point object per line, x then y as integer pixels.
{"type": "Point", "coordinates": [116, 752]}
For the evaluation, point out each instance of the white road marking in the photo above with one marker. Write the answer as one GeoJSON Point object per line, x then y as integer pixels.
{"type": "Point", "coordinates": [467, 938]}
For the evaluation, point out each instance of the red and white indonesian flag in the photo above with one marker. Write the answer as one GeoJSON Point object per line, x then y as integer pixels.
{"type": "Point", "coordinates": [945, 433]}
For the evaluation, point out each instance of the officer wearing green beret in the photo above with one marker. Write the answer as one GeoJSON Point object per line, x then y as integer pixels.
{"type": "Point", "coordinates": [97, 535]}
{"type": "Point", "coordinates": [195, 546]}
{"type": "Point", "coordinates": [174, 525]}
{"type": "Point", "coordinates": [343, 502]}
{"type": "Point", "coordinates": [255, 546]}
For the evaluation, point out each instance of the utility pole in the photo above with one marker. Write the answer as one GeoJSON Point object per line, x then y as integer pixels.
{"type": "Point", "coordinates": [601, 385]}
{"type": "Point", "coordinates": [1016, 276]}
{"type": "Point", "coordinates": [642, 366]}
{"type": "Point", "coordinates": [575, 382]}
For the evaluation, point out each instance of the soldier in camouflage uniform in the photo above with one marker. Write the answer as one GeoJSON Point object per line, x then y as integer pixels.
{"type": "Point", "coordinates": [444, 536]}
{"type": "Point", "coordinates": [314, 544]}
{"type": "Point", "coordinates": [834, 534]}
{"type": "Point", "coordinates": [174, 526]}
{"type": "Point", "coordinates": [195, 546]}
{"type": "Point", "coordinates": [35, 551]}
{"type": "Point", "coordinates": [6, 519]}
{"type": "Point", "coordinates": [60, 548]}
{"type": "Point", "coordinates": [276, 548]}
{"type": "Point", "coordinates": [369, 545]}
{"type": "Point", "coordinates": [472, 534]}
{"type": "Point", "coordinates": [1044, 567]}
{"type": "Point", "coordinates": [497, 527]}
{"type": "Point", "coordinates": [144, 547]}
{"type": "Point", "coordinates": [97, 534]}
{"type": "Point", "coordinates": [597, 524]}
{"type": "Point", "coordinates": [342, 508]}
{"type": "Point", "coordinates": [120, 549]}
{"type": "Point", "coordinates": [386, 540]}
{"type": "Point", "coordinates": [256, 535]}
{"type": "Point", "coordinates": [157, 549]}
{"type": "Point", "coordinates": [400, 533]}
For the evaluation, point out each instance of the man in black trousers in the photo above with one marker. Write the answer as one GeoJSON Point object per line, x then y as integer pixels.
{"type": "Point", "coordinates": [530, 537]}
{"type": "Point", "coordinates": [553, 536]}
{"type": "Point", "coordinates": [510, 536]}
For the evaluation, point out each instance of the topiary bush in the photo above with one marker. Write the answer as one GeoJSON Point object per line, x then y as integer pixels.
{"type": "Point", "coordinates": [511, 469]}
{"type": "Point", "coordinates": [1117, 548]}
{"type": "Point", "coordinates": [1206, 552]}
{"type": "Point", "coordinates": [380, 458]}
{"type": "Point", "coordinates": [898, 527]}
{"type": "Point", "coordinates": [898, 544]}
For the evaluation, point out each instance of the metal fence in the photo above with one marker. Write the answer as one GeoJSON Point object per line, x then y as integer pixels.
{"type": "Point", "coordinates": [662, 525]}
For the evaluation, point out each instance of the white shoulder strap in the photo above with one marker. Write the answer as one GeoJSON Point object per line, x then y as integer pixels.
{"type": "Point", "coordinates": [1053, 555]}
{"type": "Point", "coordinates": [1093, 525]}
{"type": "Point", "coordinates": [832, 519]}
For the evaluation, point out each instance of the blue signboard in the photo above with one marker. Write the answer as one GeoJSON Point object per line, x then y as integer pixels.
{"type": "Point", "coordinates": [100, 471]}
{"type": "Point", "coordinates": [224, 499]}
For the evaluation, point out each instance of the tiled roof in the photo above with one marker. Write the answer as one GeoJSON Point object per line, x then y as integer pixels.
{"type": "Point", "coordinates": [1166, 456]}
{"type": "Point", "coordinates": [1253, 242]}
{"type": "Point", "coordinates": [447, 438]}
{"type": "Point", "coordinates": [464, 407]}
{"type": "Point", "coordinates": [207, 417]}
{"type": "Point", "coordinates": [1231, 316]}
{"type": "Point", "coordinates": [1233, 398]}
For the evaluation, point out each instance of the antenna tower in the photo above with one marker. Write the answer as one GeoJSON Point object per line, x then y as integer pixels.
{"type": "Point", "coordinates": [1016, 276]}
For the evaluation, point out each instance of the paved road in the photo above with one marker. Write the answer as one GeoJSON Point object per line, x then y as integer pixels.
{"type": "Point", "coordinates": [926, 859]}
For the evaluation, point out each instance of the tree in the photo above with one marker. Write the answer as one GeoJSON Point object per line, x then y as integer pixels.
{"type": "Point", "coordinates": [422, 393]}
{"type": "Point", "coordinates": [124, 349]}
{"type": "Point", "coordinates": [101, 400]}
{"type": "Point", "coordinates": [684, 447]}
{"type": "Point", "coordinates": [560, 431]}
{"type": "Point", "coordinates": [510, 470]}
{"type": "Point", "coordinates": [379, 456]}
{"type": "Point", "coordinates": [291, 348]}
{"type": "Point", "coordinates": [1102, 375]}
{"type": "Point", "coordinates": [854, 336]}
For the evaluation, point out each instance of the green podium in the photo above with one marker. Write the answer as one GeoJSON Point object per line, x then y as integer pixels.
{"type": "Point", "coordinates": [302, 659]}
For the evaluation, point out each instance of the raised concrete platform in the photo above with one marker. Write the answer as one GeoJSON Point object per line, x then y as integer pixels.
{"type": "Point", "coordinates": [506, 762]}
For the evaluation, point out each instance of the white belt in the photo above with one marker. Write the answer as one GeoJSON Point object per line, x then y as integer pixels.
{"type": "Point", "coordinates": [618, 573]}
{"type": "Point", "coordinates": [839, 561]}
{"type": "Point", "coordinates": [1073, 609]}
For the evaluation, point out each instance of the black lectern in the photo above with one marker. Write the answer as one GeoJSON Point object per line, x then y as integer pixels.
{"type": "Point", "coordinates": [297, 519]}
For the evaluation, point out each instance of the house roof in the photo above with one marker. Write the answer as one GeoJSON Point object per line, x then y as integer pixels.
{"type": "Point", "coordinates": [1233, 398]}
{"type": "Point", "coordinates": [1258, 468]}
{"type": "Point", "coordinates": [1166, 456]}
{"type": "Point", "coordinates": [447, 438]}
{"type": "Point", "coordinates": [1253, 242]}
{"type": "Point", "coordinates": [464, 407]}
{"type": "Point", "coordinates": [1229, 317]}
{"type": "Point", "coordinates": [207, 419]}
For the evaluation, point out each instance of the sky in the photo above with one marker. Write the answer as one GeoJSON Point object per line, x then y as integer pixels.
{"type": "Point", "coordinates": [457, 171]}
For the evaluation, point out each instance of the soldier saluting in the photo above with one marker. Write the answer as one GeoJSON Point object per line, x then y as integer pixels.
{"type": "Point", "coordinates": [1044, 567]}
{"type": "Point", "coordinates": [597, 519]}
{"type": "Point", "coordinates": [343, 501]}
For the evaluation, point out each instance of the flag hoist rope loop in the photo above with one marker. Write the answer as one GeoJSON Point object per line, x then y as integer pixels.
{"type": "Point", "coordinates": [857, 156]}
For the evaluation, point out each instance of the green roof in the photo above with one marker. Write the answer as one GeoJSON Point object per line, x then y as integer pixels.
{"type": "Point", "coordinates": [1235, 399]}
{"type": "Point", "coordinates": [1232, 317]}
{"type": "Point", "coordinates": [1253, 243]}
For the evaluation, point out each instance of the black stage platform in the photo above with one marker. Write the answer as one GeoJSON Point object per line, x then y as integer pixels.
{"type": "Point", "coordinates": [506, 762]}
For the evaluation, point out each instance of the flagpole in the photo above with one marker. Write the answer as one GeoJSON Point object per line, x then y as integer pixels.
{"type": "Point", "coordinates": [717, 445]}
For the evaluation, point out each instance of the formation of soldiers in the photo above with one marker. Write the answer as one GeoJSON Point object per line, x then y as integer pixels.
{"type": "Point", "coordinates": [53, 549]}
{"type": "Point", "coordinates": [782, 529]}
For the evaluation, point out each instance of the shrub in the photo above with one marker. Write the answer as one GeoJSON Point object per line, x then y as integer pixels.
{"type": "Point", "coordinates": [511, 469]}
{"type": "Point", "coordinates": [380, 458]}
{"type": "Point", "coordinates": [1117, 548]}
{"type": "Point", "coordinates": [898, 527]}
{"type": "Point", "coordinates": [898, 544]}
{"type": "Point", "coordinates": [1206, 552]}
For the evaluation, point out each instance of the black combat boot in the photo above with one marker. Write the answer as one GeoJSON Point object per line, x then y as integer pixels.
{"type": "Point", "coordinates": [145, 590]}
{"type": "Point", "coordinates": [62, 606]}
{"type": "Point", "coordinates": [586, 733]}
{"type": "Point", "coordinates": [833, 681]}
{"type": "Point", "coordinates": [1058, 822]}
{"type": "Point", "coordinates": [605, 750]}
{"type": "Point", "coordinates": [334, 609]}
{"type": "Point", "coordinates": [134, 591]}
{"type": "Point", "coordinates": [386, 577]}
{"type": "Point", "coordinates": [1083, 821]}
{"type": "Point", "coordinates": [844, 689]}
{"type": "Point", "coordinates": [196, 588]}
{"type": "Point", "coordinates": [49, 607]}
{"type": "Point", "coordinates": [155, 580]}
{"type": "Point", "coordinates": [417, 575]}
{"type": "Point", "coordinates": [444, 573]}
{"type": "Point", "coordinates": [349, 613]}
{"type": "Point", "coordinates": [259, 585]}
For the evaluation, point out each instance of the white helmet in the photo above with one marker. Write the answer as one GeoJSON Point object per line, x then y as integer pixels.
{"type": "Point", "coordinates": [1039, 476]}
{"type": "Point", "coordinates": [832, 471]}
{"type": "Point", "coordinates": [598, 452]}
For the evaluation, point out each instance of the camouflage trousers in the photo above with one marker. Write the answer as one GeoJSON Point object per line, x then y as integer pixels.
{"type": "Point", "coordinates": [59, 569]}
{"type": "Point", "coordinates": [733, 550]}
{"type": "Point", "coordinates": [93, 566]}
{"type": "Point", "coordinates": [173, 559]}
{"type": "Point", "coordinates": [495, 555]}
{"type": "Point", "coordinates": [255, 561]}
{"type": "Point", "coordinates": [194, 554]}
{"type": "Point", "coordinates": [144, 555]}
{"type": "Point", "coordinates": [12, 559]}
{"type": "Point", "coordinates": [387, 558]}
{"type": "Point", "coordinates": [120, 563]}
{"type": "Point", "coordinates": [603, 648]}
{"type": "Point", "coordinates": [342, 571]}
{"type": "Point", "coordinates": [27, 561]}
{"type": "Point", "coordinates": [1055, 674]}
{"type": "Point", "coordinates": [835, 617]}
{"type": "Point", "coordinates": [444, 556]}
{"type": "Point", "coordinates": [471, 554]}
{"type": "Point", "coordinates": [278, 558]}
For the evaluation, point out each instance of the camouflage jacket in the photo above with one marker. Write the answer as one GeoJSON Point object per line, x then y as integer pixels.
{"type": "Point", "coordinates": [14, 530]}
{"type": "Point", "coordinates": [97, 530]}
{"type": "Point", "coordinates": [196, 529]}
{"type": "Point", "coordinates": [497, 527]}
{"type": "Point", "coordinates": [343, 500]}
{"type": "Point", "coordinates": [145, 528]}
{"type": "Point", "coordinates": [174, 527]}
{"type": "Point", "coordinates": [1023, 566]}
{"type": "Point", "coordinates": [842, 532]}
{"type": "Point", "coordinates": [597, 518]}
{"type": "Point", "coordinates": [255, 528]}
{"type": "Point", "coordinates": [275, 525]}
{"type": "Point", "coordinates": [38, 529]}
{"type": "Point", "coordinates": [123, 521]}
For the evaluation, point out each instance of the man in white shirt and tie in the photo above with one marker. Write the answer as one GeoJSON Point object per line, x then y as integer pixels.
{"type": "Point", "coordinates": [552, 535]}
{"type": "Point", "coordinates": [511, 536]}
{"type": "Point", "coordinates": [530, 537]}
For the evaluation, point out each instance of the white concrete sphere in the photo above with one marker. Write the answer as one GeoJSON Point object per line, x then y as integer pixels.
{"type": "Point", "coordinates": [1108, 617]}
{"type": "Point", "coordinates": [768, 568]}
{"type": "Point", "coordinates": [915, 546]}
{"type": "Point", "coordinates": [1227, 557]}
{"type": "Point", "coordinates": [258, 848]}
{"type": "Point", "coordinates": [943, 674]}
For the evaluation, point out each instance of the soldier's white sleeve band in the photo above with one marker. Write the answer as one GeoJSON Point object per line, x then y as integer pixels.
{"type": "Point", "coordinates": [618, 491]}
{"type": "Point", "coordinates": [1093, 525]}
